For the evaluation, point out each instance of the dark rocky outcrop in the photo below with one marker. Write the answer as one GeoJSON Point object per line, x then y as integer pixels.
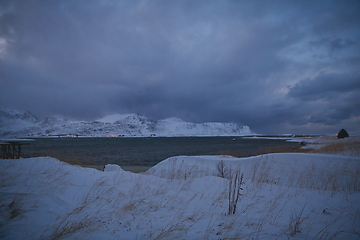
{"type": "Point", "coordinates": [342, 134]}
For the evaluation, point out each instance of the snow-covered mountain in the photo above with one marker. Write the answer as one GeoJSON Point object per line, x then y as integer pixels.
{"type": "Point", "coordinates": [15, 123]}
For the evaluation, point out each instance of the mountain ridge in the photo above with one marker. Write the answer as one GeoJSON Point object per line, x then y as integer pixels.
{"type": "Point", "coordinates": [14, 123]}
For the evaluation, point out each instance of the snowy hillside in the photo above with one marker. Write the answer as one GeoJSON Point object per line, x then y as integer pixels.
{"type": "Point", "coordinates": [21, 124]}
{"type": "Point", "coordinates": [13, 121]}
{"type": "Point", "coordinates": [279, 196]}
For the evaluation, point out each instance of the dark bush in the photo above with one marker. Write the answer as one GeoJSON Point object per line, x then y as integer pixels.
{"type": "Point", "coordinates": [343, 134]}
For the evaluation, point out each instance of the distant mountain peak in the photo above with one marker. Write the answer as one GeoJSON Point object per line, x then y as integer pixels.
{"type": "Point", "coordinates": [172, 119]}
{"type": "Point", "coordinates": [111, 118]}
{"type": "Point", "coordinates": [20, 124]}
{"type": "Point", "coordinates": [17, 115]}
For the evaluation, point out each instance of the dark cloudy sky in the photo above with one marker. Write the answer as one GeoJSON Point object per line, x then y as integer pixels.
{"type": "Point", "coordinates": [276, 66]}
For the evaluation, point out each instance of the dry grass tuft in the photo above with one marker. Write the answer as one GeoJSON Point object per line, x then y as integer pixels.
{"type": "Point", "coordinates": [344, 146]}
{"type": "Point", "coordinates": [70, 227]}
{"type": "Point", "coordinates": [235, 182]}
{"type": "Point", "coordinates": [260, 172]}
{"type": "Point", "coordinates": [296, 219]}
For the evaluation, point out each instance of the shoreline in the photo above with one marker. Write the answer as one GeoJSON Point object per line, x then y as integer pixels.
{"type": "Point", "coordinates": [324, 144]}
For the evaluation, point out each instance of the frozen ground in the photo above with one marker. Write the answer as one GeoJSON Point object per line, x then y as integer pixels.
{"type": "Point", "coordinates": [281, 196]}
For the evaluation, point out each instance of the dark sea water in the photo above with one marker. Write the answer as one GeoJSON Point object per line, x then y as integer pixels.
{"type": "Point", "coordinates": [147, 152]}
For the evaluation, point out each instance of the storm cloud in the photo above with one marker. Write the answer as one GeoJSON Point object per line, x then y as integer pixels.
{"type": "Point", "coordinates": [276, 66]}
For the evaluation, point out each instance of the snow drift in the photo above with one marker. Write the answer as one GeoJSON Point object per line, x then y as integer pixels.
{"type": "Point", "coordinates": [282, 196]}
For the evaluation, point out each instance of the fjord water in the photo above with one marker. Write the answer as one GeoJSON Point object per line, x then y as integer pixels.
{"type": "Point", "coordinates": [147, 151]}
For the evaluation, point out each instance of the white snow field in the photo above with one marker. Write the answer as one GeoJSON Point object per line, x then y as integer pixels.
{"type": "Point", "coordinates": [281, 196]}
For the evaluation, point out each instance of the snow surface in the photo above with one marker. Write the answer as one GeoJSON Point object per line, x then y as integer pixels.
{"type": "Point", "coordinates": [283, 196]}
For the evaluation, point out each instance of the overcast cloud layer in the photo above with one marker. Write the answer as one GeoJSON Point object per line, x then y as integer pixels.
{"type": "Point", "coordinates": [276, 66]}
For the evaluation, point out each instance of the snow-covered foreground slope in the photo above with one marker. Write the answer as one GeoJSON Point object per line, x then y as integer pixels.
{"type": "Point", "coordinates": [283, 196]}
{"type": "Point", "coordinates": [20, 124]}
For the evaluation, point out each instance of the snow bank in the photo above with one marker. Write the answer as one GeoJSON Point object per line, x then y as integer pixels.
{"type": "Point", "coordinates": [279, 167]}
{"type": "Point", "coordinates": [296, 196]}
